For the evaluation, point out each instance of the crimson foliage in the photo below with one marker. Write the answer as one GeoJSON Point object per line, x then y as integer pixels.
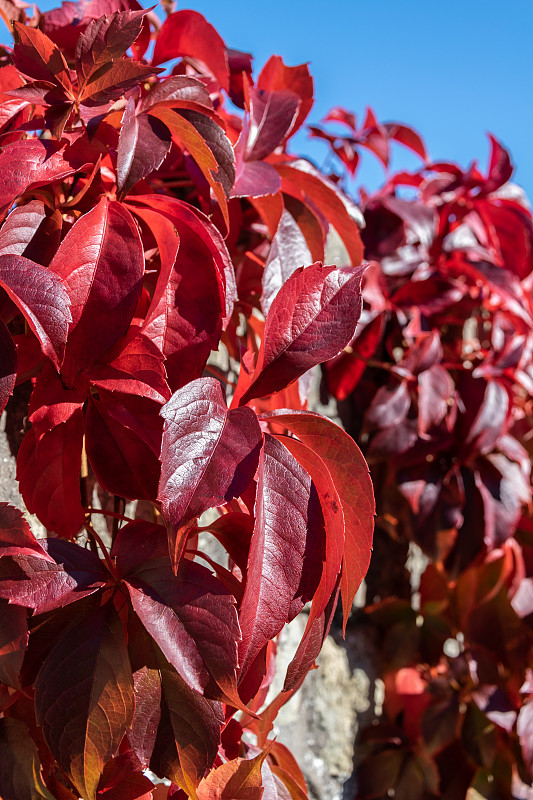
{"type": "Point", "coordinates": [437, 387]}
{"type": "Point", "coordinates": [145, 224]}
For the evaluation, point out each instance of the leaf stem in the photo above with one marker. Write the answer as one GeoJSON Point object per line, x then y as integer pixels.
{"type": "Point", "coordinates": [91, 510]}
{"type": "Point", "coordinates": [107, 558]}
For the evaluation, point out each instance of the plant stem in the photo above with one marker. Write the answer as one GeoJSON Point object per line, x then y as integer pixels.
{"type": "Point", "coordinates": [107, 558]}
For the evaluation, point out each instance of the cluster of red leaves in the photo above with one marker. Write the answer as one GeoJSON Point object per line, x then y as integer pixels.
{"type": "Point", "coordinates": [145, 225]}
{"type": "Point", "coordinates": [437, 387]}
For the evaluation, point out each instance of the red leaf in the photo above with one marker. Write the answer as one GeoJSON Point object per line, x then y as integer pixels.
{"type": "Point", "coordinates": [406, 136]}
{"type": "Point", "coordinates": [31, 231]}
{"type": "Point", "coordinates": [185, 316]}
{"type": "Point", "coordinates": [31, 163]}
{"type": "Point", "coordinates": [37, 56]}
{"type": "Point", "coordinates": [312, 318]}
{"type": "Point", "coordinates": [143, 143]}
{"type": "Point", "coordinates": [337, 453]}
{"type": "Point", "coordinates": [84, 697]}
{"type": "Point", "coordinates": [106, 39]}
{"type": "Point", "coordinates": [122, 779]}
{"type": "Point", "coordinates": [275, 75]}
{"type": "Point", "coordinates": [137, 369]}
{"type": "Point", "coordinates": [42, 298]}
{"type": "Point", "coordinates": [51, 404]}
{"type": "Point", "coordinates": [122, 438]}
{"type": "Point", "coordinates": [15, 535]}
{"type": "Point", "coordinates": [255, 179]}
{"type": "Point", "coordinates": [187, 33]}
{"type": "Point", "coordinates": [285, 558]}
{"type": "Point", "coordinates": [101, 263]}
{"type": "Point", "coordinates": [208, 454]}
{"type": "Point", "coordinates": [48, 472]}
{"type": "Point", "coordinates": [111, 80]}
{"type": "Point", "coordinates": [179, 89]}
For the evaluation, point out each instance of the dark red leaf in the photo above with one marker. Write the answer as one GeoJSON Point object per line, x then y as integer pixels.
{"type": "Point", "coordinates": [13, 643]}
{"type": "Point", "coordinates": [337, 453]}
{"type": "Point", "coordinates": [37, 56]}
{"type": "Point", "coordinates": [20, 775]}
{"type": "Point", "coordinates": [187, 33]}
{"type": "Point", "coordinates": [276, 76]}
{"type": "Point", "coordinates": [64, 575]}
{"type": "Point", "coordinates": [106, 39]}
{"type": "Point", "coordinates": [312, 318]}
{"type": "Point", "coordinates": [272, 114]}
{"type": "Point", "coordinates": [208, 454]}
{"type": "Point", "coordinates": [286, 551]}
{"type": "Point", "coordinates": [8, 367]}
{"type": "Point", "coordinates": [143, 143]}
{"type": "Point", "coordinates": [43, 300]}
{"type": "Point", "coordinates": [101, 264]}
{"type": "Point", "coordinates": [122, 438]}
{"type": "Point", "coordinates": [84, 697]}
{"type": "Point", "coordinates": [177, 88]}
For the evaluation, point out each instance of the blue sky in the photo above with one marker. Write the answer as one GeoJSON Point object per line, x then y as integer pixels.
{"type": "Point", "coordinates": [454, 70]}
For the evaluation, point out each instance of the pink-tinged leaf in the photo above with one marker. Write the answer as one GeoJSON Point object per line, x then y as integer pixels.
{"type": "Point", "coordinates": [143, 730]}
{"type": "Point", "coordinates": [42, 298]}
{"type": "Point", "coordinates": [187, 33]}
{"type": "Point", "coordinates": [15, 535]}
{"type": "Point", "coordinates": [20, 773]}
{"type": "Point", "coordinates": [344, 373]}
{"type": "Point", "coordinates": [490, 400]}
{"type": "Point", "coordinates": [239, 779]}
{"type": "Point", "coordinates": [390, 404]}
{"type": "Point", "coordinates": [186, 313]}
{"type": "Point", "coordinates": [337, 453]}
{"type": "Point", "coordinates": [64, 575]}
{"type": "Point", "coordinates": [123, 435]}
{"type": "Point", "coordinates": [312, 318]}
{"type": "Point", "coordinates": [288, 251]}
{"type": "Point", "coordinates": [143, 143]}
{"type": "Point", "coordinates": [84, 697]}
{"type": "Point", "coordinates": [255, 179]}
{"type": "Point", "coordinates": [136, 369]}
{"type": "Point", "coordinates": [406, 136]}
{"type": "Point", "coordinates": [38, 57]}
{"type": "Point", "coordinates": [31, 231]}
{"type": "Point", "coordinates": [101, 264]}
{"type": "Point", "coordinates": [31, 163]}
{"type": "Point", "coordinates": [524, 729]}
{"type": "Point", "coordinates": [314, 189]}
{"type": "Point", "coordinates": [48, 472]}
{"type": "Point", "coordinates": [13, 642]}
{"type": "Point", "coordinates": [435, 392]}
{"type": "Point", "coordinates": [107, 39]}
{"type": "Point", "coordinates": [8, 366]}
{"type": "Point", "coordinates": [286, 551]}
{"type": "Point", "coordinates": [208, 454]}
{"type": "Point", "coordinates": [339, 114]}
{"type": "Point", "coordinates": [272, 114]}
{"type": "Point", "coordinates": [276, 76]}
